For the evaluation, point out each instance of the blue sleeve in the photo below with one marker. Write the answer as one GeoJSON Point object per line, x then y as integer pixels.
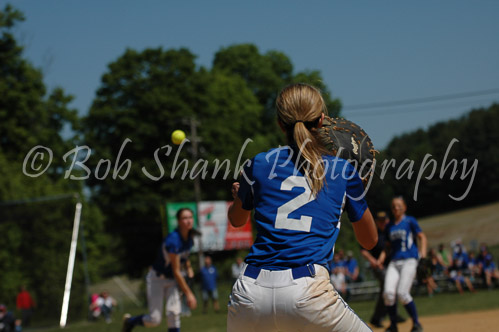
{"type": "Point", "coordinates": [415, 226]}
{"type": "Point", "coordinates": [173, 244]}
{"type": "Point", "coordinates": [246, 180]}
{"type": "Point", "coordinates": [355, 203]}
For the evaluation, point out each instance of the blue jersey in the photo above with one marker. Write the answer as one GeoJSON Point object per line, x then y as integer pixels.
{"type": "Point", "coordinates": [351, 265]}
{"type": "Point", "coordinates": [402, 237]}
{"type": "Point", "coordinates": [337, 264]}
{"type": "Point", "coordinates": [173, 244]}
{"type": "Point", "coordinates": [294, 228]}
{"type": "Point", "coordinates": [460, 260]}
{"type": "Point", "coordinates": [209, 278]}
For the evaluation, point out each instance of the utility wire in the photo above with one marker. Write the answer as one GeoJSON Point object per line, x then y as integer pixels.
{"type": "Point", "coordinates": [427, 108]}
{"type": "Point", "coordinates": [420, 100]}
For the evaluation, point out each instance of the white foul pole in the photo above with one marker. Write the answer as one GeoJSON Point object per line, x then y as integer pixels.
{"type": "Point", "coordinates": [71, 263]}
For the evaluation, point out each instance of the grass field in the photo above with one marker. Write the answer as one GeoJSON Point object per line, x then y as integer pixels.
{"type": "Point", "coordinates": [216, 322]}
{"type": "Point", "coordinates": [480, 224]}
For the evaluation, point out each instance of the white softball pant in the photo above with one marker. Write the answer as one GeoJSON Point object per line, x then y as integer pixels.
{"type": "Point", "coordinates": [398, 280]}
{"type": "Point", "coordinates": [159, 287]}
{"type": "Point", "coordinates": [274, 301]}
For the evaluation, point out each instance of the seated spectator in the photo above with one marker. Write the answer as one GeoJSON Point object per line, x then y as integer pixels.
{"type": "Point", "coordinates": [7, 321]}
{"type": "Point", "coordinates": [444, 261]}
{"type": "Point", "coordinates": [337, 275]}
{"type": "Point", "coordinates": [351, 268]}
{"type": "Point", "coordinates": [105, 304]}
{"type": "Point", "coordinates": [94, 308]}
{"type": "Point", "coordinates": [429, 281]}
{"type": "Point", "coordinates": [459, 270]}
{"type": "Point", "coordinates": [473, 267]}
{"type": "Point", "coordinates": [488, 268]}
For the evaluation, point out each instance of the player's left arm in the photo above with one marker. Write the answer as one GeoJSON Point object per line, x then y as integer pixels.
{"type": "Point", "coordinates": [179, 278]}
{"type": "Point", "coordinates": [382, 258]}
{"type": "Point", "coordinates": [189, 270]}
{"type": "Point", "coordinates": [422, 244]}
{"type": "Point", "coordinates": [416, 229]}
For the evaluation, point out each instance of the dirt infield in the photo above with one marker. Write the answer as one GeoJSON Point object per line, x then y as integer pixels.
{"type": "Point", "coordinates": [468, 321]}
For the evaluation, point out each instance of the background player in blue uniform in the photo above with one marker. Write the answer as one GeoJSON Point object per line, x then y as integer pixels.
{"type": "Point", "coordinates": [402, 234]}
{"type": "Point", "coordinates": [298, 200]}
{"type": "Point", "coordinates": [165, 278]}
{"type": "Point", "coordinates": [209, 289]}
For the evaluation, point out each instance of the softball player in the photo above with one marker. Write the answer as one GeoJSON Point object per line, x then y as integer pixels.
{"type": "Point", "coordinates": [402, 234]}
{"type": "Point", "coordinates": [165, 278]}
{"type": "Point", "coordinates": [298, 200]}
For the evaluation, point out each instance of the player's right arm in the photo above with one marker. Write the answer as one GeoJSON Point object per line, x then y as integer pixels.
{"type": "Point", "coordinates": [382, 257]}
{"type": "Point", "coordinates": [237, 215]}
{"type": "Point", "coordinates": [179, 278]}
{"type": "Point", "coordinates": [189, 270]}
{"type": "Point", "coordinates": [365, 230]}
{"type": "Point", "coordinates": [240, 211]}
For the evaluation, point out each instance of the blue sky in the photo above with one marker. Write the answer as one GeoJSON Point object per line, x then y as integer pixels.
{"type": "Point", "coordinates": [367, 51]}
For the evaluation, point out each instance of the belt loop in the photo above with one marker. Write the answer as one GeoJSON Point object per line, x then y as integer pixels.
{"type": "Point", "coordinates": [311, 269]}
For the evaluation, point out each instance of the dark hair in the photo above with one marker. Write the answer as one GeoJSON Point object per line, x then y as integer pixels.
{"type": "Point", "coordinates": [179, 212]}
{"type": "Point", "coordinates": [399, 197]}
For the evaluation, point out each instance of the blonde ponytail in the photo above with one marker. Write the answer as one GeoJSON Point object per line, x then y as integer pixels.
{"type": "Point", "coordinates": [300, 108]}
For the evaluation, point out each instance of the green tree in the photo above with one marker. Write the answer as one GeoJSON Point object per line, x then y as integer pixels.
{"type": "Point", "coordinates": [471, 137]}
{"type": "Point", "coordinates": [36, 234]}
{"type": "Point", "coordinates": [266, 74]}
{"type": "Point", "coordinates": [27, 116]}
{"type": "Point", "coordinates": [143, 98]}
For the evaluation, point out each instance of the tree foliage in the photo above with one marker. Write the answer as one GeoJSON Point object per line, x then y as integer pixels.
{"type": "Point", "coordinates": [266, 74]}
{"type": "Point", "coordinates": [27, 116]}
{"type": "Point", "coordinates": [145, 96]}
{"type": "Point", "coordinates": [454, 146]}
{"type": "Point", "coordinates": [36, 235]}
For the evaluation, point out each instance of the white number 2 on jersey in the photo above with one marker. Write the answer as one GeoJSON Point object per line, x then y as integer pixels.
{"type": "Point", "coordinates": [305, 222]}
